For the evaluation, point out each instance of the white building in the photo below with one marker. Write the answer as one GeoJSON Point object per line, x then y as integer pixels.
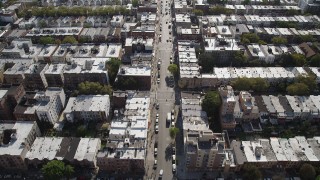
{"type": "Point", "coordinates": [50, 104]}
{"type": "Point", "coordinates": [88, 108]}
{"type": "Point", "coordinates": [16, 142]}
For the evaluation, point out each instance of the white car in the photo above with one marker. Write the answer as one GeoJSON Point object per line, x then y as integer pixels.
{"type": "Point", "coordinates": [157, 128]}
{"type": "Point", "coordinates": [158, 80]}
{"type": "Point", "coordinates": [174, 167]}
{"type": "Point", "coordinates": [157, 120]}
{"type": "Point", "coordinates": [155, 163]}
{"type": "Point", "coordinates": [173, 124]}
{"type": "Point", "coordinates": [173, 159]}
{"type": "Point", "coordinates": [157, 115]}
{"type": "Point", "coordinates": [161, 173]}
{"type": "Point", "coordinates": [155, 151]}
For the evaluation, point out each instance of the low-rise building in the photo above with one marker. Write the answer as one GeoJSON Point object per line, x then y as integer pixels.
{"type": "Point", "coordinates": [85, 69]}
{"type": "Point", "coordinates": [87, 108]}
{"type": "Point", "coordinates": [16, 140]}
{"type": "Point", "coordinates": [80, 152]}
{"type": "Point", "coordinates": [126, 148]}
{"type": "Point", "coordinates": [224, 49]}
{"type": "Point", "coordinates": [54, 75]}
{"type": "Point", "coordinates": [227, 119]}
{"type": "Point", "coordinates": [140, 75]}
{"type": "Point", "coordinates": [35, 78]}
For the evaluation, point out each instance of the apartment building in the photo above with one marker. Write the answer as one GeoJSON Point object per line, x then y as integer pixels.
{"type": "Point", "coordinates": [248, 106]}
{"type": "Point", "coordinates": [54, 75]}
{"type": "Point", "coordinates": [126, 149]}
{"type": "Point", "coordinates": [87, 108]}
{"type": "Point", "coordinates": [141, 75]}
{"type": "Point", "coordinates": [85, 69]}
{"type": "Point", "coordinates": [46, 53]}
{"type": "Point", "coordinates": [80, 152]}
{"type": "Point", "coordinates": [138, 45]}
{"type": "Point", "coordinates": [223, 49]}
{"type": "Point", "coordinates": [204, 150]}
{"type": "Point", "coordinates": [227, 108]}
{"type": "Point", "coordinates": [49, 104]}
{"type": "Point", "coordinates": [35, 78]}
{"type": "Point", "coordinates": [15, 73]}
{"type": "Point", "coordinates": [10, 97]}
{"type": "Point", "coordinates": [16, 140]}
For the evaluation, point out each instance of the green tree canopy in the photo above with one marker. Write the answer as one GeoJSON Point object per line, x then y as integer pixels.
{"type": "Point", "coordinates": [94, 88]}
{"type": "Point", "coordinates": [239, 59]}
{"type": "Point", "coordinates": [211, 102]}
{"type": "Point", "coordinates": [298, 59]}
{"type": "Point", "coordinates": [69, 40]}
{"type": "Point", "coordinates": [56, 170]}
{"type": "Point", "coordinates": [299, 89]}
{"type": "Point", "coordinates": [315, 60]}
{"type": "Point", "coordinates": [135, 3]}
{"type": "Point", "coordinates": [173, 69]}
{"type": "Point", "coordinates": [307, 172]}
{"type": "Point", "coordinates": [217, 10]}
{"type": "Point", "coordinates": [279, 40]}
{"type": "Point", "coordinates": [309, 80]}
{"type": "Point", "coordinates": [198, 12]}
{"type": "Point", "coordinates": [113, 68]}
{"type": "Point", "coordinates": [126, 83]}
{"type": "Point", "coordinates": [251, 172]}
{"type": "Point", "coordinates": [249, 38]}
{"type": "Point", "coordinates": [207, 61]}
{"type": "Point", "coordinates": [246, 84]}
{"type": "Point", "coordinates": [81, 131]}
{"type": "Point", "coordinates": [173, 131]}
{"type": "Point", "coordinates": [46, 40]}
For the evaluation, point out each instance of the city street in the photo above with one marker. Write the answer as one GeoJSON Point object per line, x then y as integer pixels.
{"type": "Point", "coordinates": [164, 95]}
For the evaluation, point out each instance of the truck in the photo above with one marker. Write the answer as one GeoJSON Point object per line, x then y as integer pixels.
{"type": "Point", "coordinates": [168, 117]}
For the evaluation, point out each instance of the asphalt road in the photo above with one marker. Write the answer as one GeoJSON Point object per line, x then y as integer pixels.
{"type": "Point", "coordinates": [164, 95]}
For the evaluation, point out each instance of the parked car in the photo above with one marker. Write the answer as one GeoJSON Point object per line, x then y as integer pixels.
{"type": "Point", "coordinates": [155, 152]}
{"type": "Point", "coordinates": [157, 106]}
{"type": "Point", "coordinates": [155, 164]}
{"type": "Point", "coordinates": [173, 159]}
{"type": "Point", "coordinates": [173, 150]}
{"type": "Point", "coordinates": [157, 120]}
{"type": "Point", "coordinates": [161, 173]}
{"type": "Point", "coordinates": [174, 168]}
{"type": "Point", "coordinates": [157, 129]}
{"type": "Point", "coordinates": [157, 115]}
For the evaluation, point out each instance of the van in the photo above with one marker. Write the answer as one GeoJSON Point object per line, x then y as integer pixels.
{"type": "Point", "coordinates": [168, 117]}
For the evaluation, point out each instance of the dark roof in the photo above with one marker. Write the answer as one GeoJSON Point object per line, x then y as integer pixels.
{"type": "Point", "coordinates": [260, 104]}
{"type": "Point", "coordinates": [68, 148]}
{"type": "Point", "coordinates": [307, 50]}
{"type": "Point", "coordinates": [285, 103]}
{"type": "Point", "coordinates": [240, 158]}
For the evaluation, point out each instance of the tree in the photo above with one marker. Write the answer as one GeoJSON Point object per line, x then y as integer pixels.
{"type": "Point", "coordinates": [68, 171]}
{"type": "Point", "coordinates": [217, 10]}
{"type": "Point", "coordinates": [211, 103]}
{"type": "Point", "coordinates": [307, 172]}
{"type": "Point", "coordinates": [299, 89]}
{"type": "Point", "coordinates": [81, 131]}
{"type": "Point", "coordinates": [56, 170]}
{"type": "Point", "coordinates": [279, 40]}
{"type": "Point", "coordinates": [173, 69]}
{"type": "Point", "coordinates": [242, 84]}
{"type": "Point", "coordinates": [135, 3]}
{"type": "Point", "coordinates": [207, 61]}
{"type": "Point", "coordinates": [69, 40]}
{"type": "Point", "coordinates": [239, 59]}
{"type": "Point", "coordinates": [94, 88]}
{"type": "Point", "coordinates": [42, 23]}
{"type": "Point", "coordinates": [298, 59]}
{"type": "Point", "coordinates": [173, 132]}
{"type": "Point", "coordinates": [259, 84]}
{"type": "Point", "coordinates": [46, 40]}
{"type": "Point", "coordinates": [315, 60]}
{"type": "Point", "coordinates": [251, 172]}
{"type": "Point", "coordinates": [198, 12]}
{"type": "Point", "coordinates": [249, 37]}
{"type": "Point", "coordinates": [113, 68]}
{"type": "Point", "coordinates": [261, 42]}
{"type": "Point", "coordinates": [309, 80]}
